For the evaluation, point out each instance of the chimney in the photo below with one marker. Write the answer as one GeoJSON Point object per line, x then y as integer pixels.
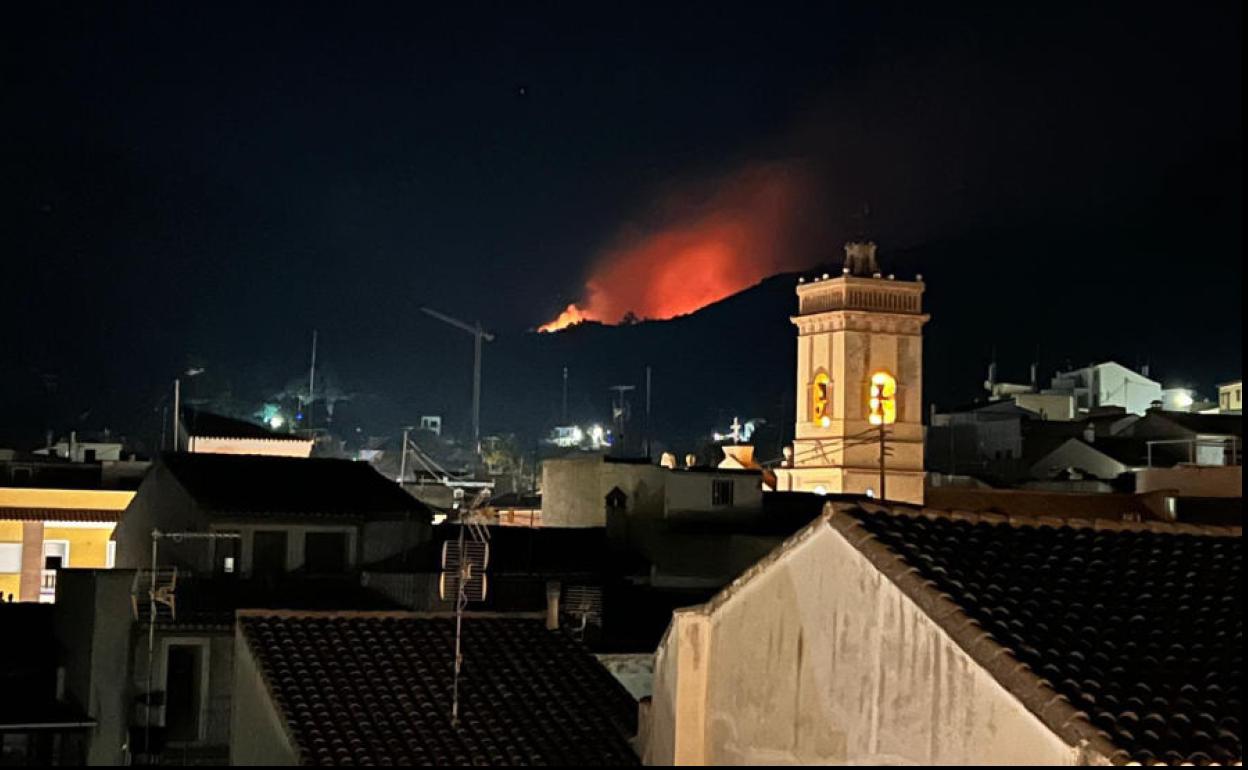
{"type": "Point", "coordinates": [1144, 370]}
{"type": "Point", "coordinates": [1035, 381]}
{"type": "Point", "coordinates": [552, 604]}
{"type": "Point", "coordinates": [73, 445]}
{"type": "Point", "coordinates": [1089, 432]}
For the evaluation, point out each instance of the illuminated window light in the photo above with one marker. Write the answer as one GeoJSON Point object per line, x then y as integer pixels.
{"type": "Point", "coordinates": [883, 399]}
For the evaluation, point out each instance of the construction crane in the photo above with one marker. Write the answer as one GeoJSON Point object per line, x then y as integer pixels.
{"type": "Point", "coordinates": [478, 334]}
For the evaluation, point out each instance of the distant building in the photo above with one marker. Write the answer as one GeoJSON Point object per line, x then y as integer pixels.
{"type": "Point", "coordinates": [515, 509]}
{"type": "Point", "coordinates": [1108, 384]}
{"type": "Point", "coordinates": [291, 515]}
{"type": "Point", "coordinates": [381, 693]}
{"type": "Point", "coordinates": [852, 327]}
{"type": "Point", "coordinates": [82, 451]}
{"type": "Point", "coordinates": [898, 636]}
{"type": "Point", "coordinates": [237, 532]}
{"type": "Point", "coordinates": [575, 489]}
{"type": "Point", "coordinates": [1231, 397]}
{"type": "Point", "coordinates": [43, 531]}
{"type": "Point", "coordinates": [207, 433]}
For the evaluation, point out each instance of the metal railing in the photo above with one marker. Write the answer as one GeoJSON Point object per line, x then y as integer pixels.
{"type": "Point", "coordinates": [1227, 448]}
{"type": "Point", "coordinates": [47, 586]}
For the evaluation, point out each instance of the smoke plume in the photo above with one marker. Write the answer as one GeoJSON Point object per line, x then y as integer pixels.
{"type": "Point", "coordinates": [702, 244]}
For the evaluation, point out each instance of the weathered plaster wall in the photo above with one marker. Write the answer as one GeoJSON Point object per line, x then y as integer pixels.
{"type": "Point", "coordinates": [1194, 480]}
{"type": "Point", "coordinates": [691, 491]}
{"type": "Point", "coordinates": [574, 489]}
{"type": "Point", "coordinates": [258, 735]}
{"type": "Point", "coordinates": [821, 659]}
{"type": "Point", "coordinates": [162, 503]}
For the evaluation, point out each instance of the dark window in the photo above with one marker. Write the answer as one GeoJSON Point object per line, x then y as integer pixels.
{"type": "Point", "coordinates": [268, 552]}
{"type": "Point", "coordinates": [325, 552]}
{"type": "Point", "coordinates": [182, 675]}
{"type": "Point", "coordinates": [721, 492]}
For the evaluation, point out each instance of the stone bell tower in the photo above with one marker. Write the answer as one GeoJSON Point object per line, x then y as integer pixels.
{"type": "Point", "coordinates": [851, 327]}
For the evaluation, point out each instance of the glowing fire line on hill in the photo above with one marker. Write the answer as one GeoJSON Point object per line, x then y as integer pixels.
{"type": "Point", "coordinates": [702, 251]}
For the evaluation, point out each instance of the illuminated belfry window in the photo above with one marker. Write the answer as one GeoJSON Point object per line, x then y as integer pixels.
{"type": "Point", "coordinates": [882, 401]}
{"type": "Point", "coordinates": [821, 399]}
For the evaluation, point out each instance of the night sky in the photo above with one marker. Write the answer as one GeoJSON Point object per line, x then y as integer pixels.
{"type": "Point", "coordinates": [204, 185]}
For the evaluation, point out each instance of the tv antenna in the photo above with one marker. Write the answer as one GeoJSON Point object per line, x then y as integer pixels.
{"type": "Point", "coordinates": [585, 604]}
{"type": "Point", "coordinates": [464, 561]}
{"type": "Point", "coordinates": [478, 334]}
{"type": "Point", "coordinates": [619, 408]}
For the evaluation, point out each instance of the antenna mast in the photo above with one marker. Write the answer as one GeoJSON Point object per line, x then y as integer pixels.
{"type": "Point", "coordinates": [619, 409]}
{"type": "Point", "coordinates": [311, 382]}
{"type": "Point", "coordinates": [463, 573]}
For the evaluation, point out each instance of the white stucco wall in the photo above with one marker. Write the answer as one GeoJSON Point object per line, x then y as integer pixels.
{"type": "Point", "coordinates": [686, 491]}
{"type": "Point", "coordinates": [821, 659]}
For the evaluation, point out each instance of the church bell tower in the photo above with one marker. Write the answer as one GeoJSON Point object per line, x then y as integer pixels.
{"type": "Point", "coordinates": [856, 331]}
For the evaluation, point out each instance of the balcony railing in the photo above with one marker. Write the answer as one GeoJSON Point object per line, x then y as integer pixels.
{"type": "Point", "coordinates": [47, 586]}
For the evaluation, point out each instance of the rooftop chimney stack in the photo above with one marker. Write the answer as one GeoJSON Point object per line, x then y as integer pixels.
{"type": "Point", "coordinates": [553, 589]}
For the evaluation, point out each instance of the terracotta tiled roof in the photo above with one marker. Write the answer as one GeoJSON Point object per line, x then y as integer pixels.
{"type": "Point", "coordinates": [375, 688]}
{"type": "Point", "coordinates": [59, 514]}
{"type": "Point", "coordinates": [1140, 629]}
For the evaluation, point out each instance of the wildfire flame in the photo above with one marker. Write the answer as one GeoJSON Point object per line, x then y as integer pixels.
{"type": "Point", "coordinates": [703, 250]}
{"type": "Point", "coordinates": [570, 316]}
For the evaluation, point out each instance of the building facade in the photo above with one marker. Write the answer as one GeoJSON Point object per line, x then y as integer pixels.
{"type": "Point", "coordinates": [1108, 384]}
{"type": "Point", "coordinates": [852, 328]}
{"type": "Point", "coordinates": [43, 531]}
{"type": "Point", "coordinates": [1231, 397]}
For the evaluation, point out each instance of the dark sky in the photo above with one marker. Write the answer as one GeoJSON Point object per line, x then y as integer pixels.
{"type": "Point", "coordinates": [204, 184]}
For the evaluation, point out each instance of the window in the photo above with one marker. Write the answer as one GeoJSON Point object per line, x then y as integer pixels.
{"type": "Point", "coordinates": [225, 554]}
{"type": "Point", "coordinates": [268, 552]}
{"type": "Point", "coordinates": [55, 554]}
{"type": "Point", "coordinates": [820, 398]}
{"type": "Point", "coordinates": [10, 558]}
{"type": "Point", "coordinates": [721, 492]}
{"type": "Point", "coordinates": [325, 553]}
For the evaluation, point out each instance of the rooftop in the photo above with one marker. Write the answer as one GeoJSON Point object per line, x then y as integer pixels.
{"type": "Point", "coordinates": [375, 688]}
{"type": "Point", "coordinates": [209, 425]}
{"type": "Point", "coordinates": [254, 484]}
{"type": "Point", "coordinates": [1138, 627]}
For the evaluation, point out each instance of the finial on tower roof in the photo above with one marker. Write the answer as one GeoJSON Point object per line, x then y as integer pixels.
{"type": "Point", "coordinates": [860, 258]}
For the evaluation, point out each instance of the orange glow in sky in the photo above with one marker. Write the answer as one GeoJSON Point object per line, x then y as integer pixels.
{"type": "Point", "coordinates": [703, 251]}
